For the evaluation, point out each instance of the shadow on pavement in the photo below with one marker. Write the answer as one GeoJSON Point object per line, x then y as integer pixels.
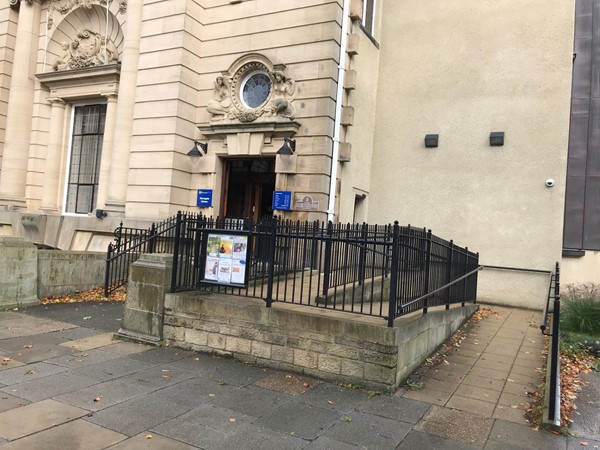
{"type": "Point", "coordinates": [104, 316]}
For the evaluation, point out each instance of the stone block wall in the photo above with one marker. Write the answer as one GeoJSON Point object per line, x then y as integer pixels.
{"type": "Point", "coordinates": [18, 273]}
{"type": "Point", "coordinates": [61, 272]}
{"type": "Point", "coordinates": [335, 347]}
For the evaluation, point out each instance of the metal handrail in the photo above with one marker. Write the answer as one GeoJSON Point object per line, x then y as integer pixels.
{"type": "Point", "coordinates": [435, 291]}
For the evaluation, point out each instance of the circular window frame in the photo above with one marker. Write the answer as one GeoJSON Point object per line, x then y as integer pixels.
{"type": "Point", "coordinates": [245, 80]}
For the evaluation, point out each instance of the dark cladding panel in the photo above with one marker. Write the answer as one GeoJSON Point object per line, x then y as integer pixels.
{"type": "Point", "coordinates": [583, 18]}
{"type": "Point", "coordinates": [593, 147]}
{"type": "Point", "coordinates": [591, 230]}
{"type": "Point", "coordinates": [578, 137]}
{"type": "Point", "coordinates": [574, 209]}
{"type": "Point", "coordinates": [582, 67]}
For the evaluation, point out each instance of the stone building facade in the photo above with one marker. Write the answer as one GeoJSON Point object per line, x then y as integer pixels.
{"type": "Point", "coordinates": [329, 100]}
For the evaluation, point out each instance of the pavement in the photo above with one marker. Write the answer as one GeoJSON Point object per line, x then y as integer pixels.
{"type": "Point", "coordinates": [66, 384]}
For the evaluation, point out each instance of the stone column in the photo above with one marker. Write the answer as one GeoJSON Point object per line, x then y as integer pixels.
{"type": "Point", "coordinates": [107, 146]}
{"type": "Point", "coordinates": [13, 177]}
{"type": "Point", "coordinates": [117, 185]}
{"type": "Point", "coordinates": [50, 195]}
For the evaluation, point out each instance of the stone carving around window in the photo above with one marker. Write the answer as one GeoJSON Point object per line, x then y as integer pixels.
{"type": "Point", "coordinates": [89, 49]}
{"type": "Point", "coordinates": [253, 91]}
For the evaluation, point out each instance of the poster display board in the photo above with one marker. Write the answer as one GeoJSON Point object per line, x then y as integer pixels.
{"type": "Point", "coordinates": [225, 255]}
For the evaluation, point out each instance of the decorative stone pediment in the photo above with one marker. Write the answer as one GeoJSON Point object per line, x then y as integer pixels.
{"type": "Point", "coordinates": [79, 42]}
{"type": "Point", "coordinates": [253, 90]}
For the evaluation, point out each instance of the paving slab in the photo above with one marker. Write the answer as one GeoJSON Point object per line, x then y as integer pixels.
{"type": "Point", "coordinates": [18, 343]}
{"type": "Point", "coordinates": [259, 438]}
{"type": "Point", "coordinates": [207, 426]}
{"type": "Point", "coordinates": [368, 430]}
{"type": "Point", "coordinates": [134, 416]}
{"type": "Point", "coordinates": [48, 387]}
{"type": "Point", "coordinates": [126, 348]}
{"type": "Point", "coordinates": [109, 394]}
{"type": "Point", "coordinates": [75, 359]}
{"type": "Point", "coordinates": [102, 316]}
{"type": "Point", "coordinates": [331, 396]}
{"type": "Point", "coordinates": [586, 421]}
{"type": "Point", "coordinates": [29, 372]}
{"type": "Point", "coordinates": [226, 370]}
{"type": "Point", "coordinates": [111, 369]}
{"type": "Point", "coordinates": [403, 409]}
{"type": "Point", "coordinates": [76, 435]}
{"type": "Point", "coordinates": [522, 436]}
{"type": "Point", "coordinates": [253, 401]}
{"type": "Point", "coordinates": [150, 441]}
{"type": "Point", "coordinates": [9, 401]}
{"type": "Point", "coordinates": [89, 343]}
{"type": "Point", "coordinates": [417, 440]}
{"type": "Point", "coordinates": [195, 392]}
{"type": "Point", "coordinates": [461, 426]}
{"type": "Point", "coordinates": [36, 417]}
{"type": "Point", "coordinates": [27, 326]}
{"type": "Point", "coordinates": [35, 353]}
{"type": "Point", "coordinates": [326, 443]}
{"type": "Point", "coordinates": [288, 383]}
{"type": "Point", "coordinates": [305, 421]}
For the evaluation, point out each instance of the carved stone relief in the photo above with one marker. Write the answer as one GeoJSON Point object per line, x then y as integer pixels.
{"type": "Point", "coordinates": [270, 96]}
{"type": "Point", "coordinates": [87, 50]}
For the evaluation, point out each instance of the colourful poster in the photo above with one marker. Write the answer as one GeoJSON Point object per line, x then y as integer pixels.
{"type": "Point", "coordinates": [226, 248]}
{"type": "Point", "coordinates": [211, 271]}
{"type": "Point", "coordinates": [238, 272]}
{"type": "Point", "coordinates": [213, 244]}
{"type": "Point", "coordinates": [240, 247]}
{"type": "Point", "coordinates": [224, 270]}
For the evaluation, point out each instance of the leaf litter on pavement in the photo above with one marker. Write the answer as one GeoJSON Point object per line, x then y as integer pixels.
{"type": "Point", "coordinates": [91, 295]}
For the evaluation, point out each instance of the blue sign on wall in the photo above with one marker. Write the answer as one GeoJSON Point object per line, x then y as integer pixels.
{"type": "Point", "coordinates": [282, 200]}
{"type": "Point", "coordinates": [204, 199]}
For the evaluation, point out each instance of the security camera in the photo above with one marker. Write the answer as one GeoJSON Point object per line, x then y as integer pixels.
{"type": "Point", "coordinates": [549, 182]}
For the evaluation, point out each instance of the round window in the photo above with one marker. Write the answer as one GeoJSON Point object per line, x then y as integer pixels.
{"type": "Point", "coordinates": [256, 89]}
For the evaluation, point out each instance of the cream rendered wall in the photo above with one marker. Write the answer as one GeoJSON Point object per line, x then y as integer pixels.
{"type": "Point", "coordinates": [464, 69]}
{"type": "Point", "coordinates": [585, 269]}
{"type": "Point", "coordinates": [355, 175]}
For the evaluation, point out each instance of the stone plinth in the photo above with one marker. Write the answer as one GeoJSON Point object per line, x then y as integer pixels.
{"type": "Point", "coordinates": [149, 281]}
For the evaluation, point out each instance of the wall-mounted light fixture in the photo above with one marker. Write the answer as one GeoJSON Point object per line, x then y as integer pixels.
{"type": "Point", "coordinates": [497, 138]}
{"type": "Point", "coordinates": [195, 152]}
{"type": "Point", "coordinates": [288, 148]}
{"type": "Point", "coordinates": [432, 140]}
{"type": "Point", "coordinates": [101, 213]}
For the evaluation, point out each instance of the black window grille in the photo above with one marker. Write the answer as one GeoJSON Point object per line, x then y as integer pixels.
{"type": "Point", "coordinates": [86, 151]}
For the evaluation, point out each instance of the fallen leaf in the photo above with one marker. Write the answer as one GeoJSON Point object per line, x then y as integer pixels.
{"type": "Point", "coordinates": [347, 419]}
{"type": "Point", "coordinates": [87, 317]}
{"type": "Point", "coordinates": [584, 443]}
{"type": "Point", "coordinates": [514, 406]}
{"type": "Point", "coordinates": [292, 433]}
{"type": "Point", "coordinates": [166, 370]}
{"type": "Point", "coordinates": [15, 309]}
{"type": "Point", "coordinates": [30, 372]}
{"type": "Point", "coordinates": [97, 399]}
{"type": "Point", "coordinates": [221, 383]}
{"type": "Point", "coordinates": [211, 395]}
{"type": "Point", "coordinates": [28, 346]}
{"type": "Point", "coordinates": [167, 376]}
{"type": "Point", "coordinates": [329, 402]}
{"type": "Point", "coordinates": [148, 436]}
{"type": "Point", "coordinates": [232, 419]}
{"type": "Point", "coordinates": [306, 385]}
{"type": "Point", "coordinates": [196, 359]}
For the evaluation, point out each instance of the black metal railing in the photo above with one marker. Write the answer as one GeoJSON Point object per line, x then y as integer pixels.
{"type": "Point", "coordinates": [129, 244]}
{"type": "Point", "coordinates": [386, 271]}
{"type": "Point", "coordinates": [554, 381]}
